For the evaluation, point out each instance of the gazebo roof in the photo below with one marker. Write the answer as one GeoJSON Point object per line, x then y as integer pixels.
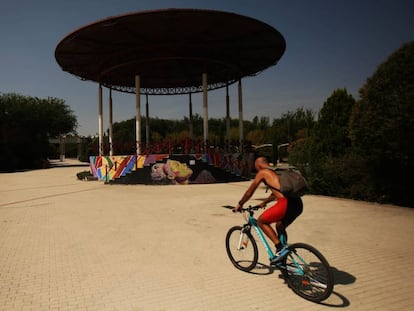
{"type": "Point", "coordinates": [170, 49]}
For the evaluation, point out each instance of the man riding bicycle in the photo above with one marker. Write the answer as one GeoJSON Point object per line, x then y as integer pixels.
{"type": "Point", "coordinates": [283, 213]}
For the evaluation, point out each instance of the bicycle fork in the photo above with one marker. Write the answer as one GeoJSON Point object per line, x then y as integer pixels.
{"type": "Point", "coordinates": [242, 240]}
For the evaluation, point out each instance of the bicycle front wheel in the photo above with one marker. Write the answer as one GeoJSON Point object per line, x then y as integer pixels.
{"type": "Point", "coordinates": [307, 272]}
{"type": "Point", "coordinates": [241, 248]}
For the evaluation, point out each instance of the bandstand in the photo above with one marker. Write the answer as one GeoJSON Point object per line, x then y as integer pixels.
{"type": "Point", "coordinates": [169, 52]}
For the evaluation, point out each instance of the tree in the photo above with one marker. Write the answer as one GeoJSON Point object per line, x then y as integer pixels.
{"type": "Point", "coordinates": [291, 124]}
{"type": "Point", "coordinates": [321, 154]}
{"type": "Point", "coordinates": [292, 128]}
{"type": "Point", "coordinates": [331, 130]}
{"type": "Point", "coordinates": [27, 123]}
{"type": "Point", "coordinates": [382, 122]}
{"type": "Point", "coordinates": [261, 123]}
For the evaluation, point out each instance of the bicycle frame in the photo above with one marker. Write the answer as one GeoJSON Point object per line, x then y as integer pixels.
{"type": "Point", "coordinates": [298, 267]}
{"type": "Point", "coordinates": [304, 268]}
{"type": "Point", "coordinates": [253, 222]}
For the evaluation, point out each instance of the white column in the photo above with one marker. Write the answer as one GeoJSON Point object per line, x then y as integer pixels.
{"type": "Point", "coordinates": [190, 117]}
{"type": "Point", "coordinates": [100, 122]}
{"type": "Point", "coordinates": [227, 116]}
{"type": "Point", "coordinates": [240, 116]}
{"type": "Point", "coordinates": [205, 112]}
{"type": "Point", "coordinates": [111, 150]}
{"type": "Point", "coordinates": [138, 114]}
{"type": "Point", "coordinates": [147, 129]}
{"type": "Point", "coordinates": [62, 145]}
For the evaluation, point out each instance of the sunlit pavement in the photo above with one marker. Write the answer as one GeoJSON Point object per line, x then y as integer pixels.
{"type": "Point", "coordinates": [67, 244]}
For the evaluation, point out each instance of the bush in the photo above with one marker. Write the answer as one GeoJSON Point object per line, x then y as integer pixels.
{"type": "Point", "coordinates": [85, 175]}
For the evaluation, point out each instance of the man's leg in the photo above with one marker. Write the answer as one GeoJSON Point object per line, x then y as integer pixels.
{"type": "Point", "coordinates": [281, 229]}
{"type": "Point", "coordinates": [271, 215]}
{"type": "Point", "coordinates": [268, 230]}
{"type": "Point", "coordinates": [294, 209]}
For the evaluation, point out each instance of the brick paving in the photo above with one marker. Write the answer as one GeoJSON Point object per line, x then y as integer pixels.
{"type": "Point", "coordinates": [74, 245]}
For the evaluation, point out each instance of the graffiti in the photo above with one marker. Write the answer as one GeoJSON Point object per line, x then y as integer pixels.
{"type": "Point", "coordinates": [172, 171]}
{"type": "Point", "coordinates": [110, 167]}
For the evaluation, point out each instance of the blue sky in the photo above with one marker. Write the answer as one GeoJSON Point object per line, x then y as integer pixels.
{"type": "Point", "coordinates": [330, 44]}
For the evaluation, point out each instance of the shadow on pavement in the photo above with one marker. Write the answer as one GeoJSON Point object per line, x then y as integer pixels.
{"type": "Point", "coordinates": [342, 277]}
{"type": "Point", "coordinates": [262, 269]}
{"type": "Point", "coordinates": [336, 300]}
{"type": "Point", "coordinates": [342, 303]}
{"type": "Point", "coordinates": [67, 164]}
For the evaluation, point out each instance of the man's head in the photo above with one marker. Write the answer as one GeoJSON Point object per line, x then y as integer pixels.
{"type": "Point", "coordinates": [261, 163]}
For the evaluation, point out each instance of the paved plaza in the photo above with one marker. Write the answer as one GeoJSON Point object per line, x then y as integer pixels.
{"type": "Point", "coordinates": [67, 244]}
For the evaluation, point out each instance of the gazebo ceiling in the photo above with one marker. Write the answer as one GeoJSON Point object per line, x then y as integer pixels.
{"type": "Point", "coordinates": [170, 50]}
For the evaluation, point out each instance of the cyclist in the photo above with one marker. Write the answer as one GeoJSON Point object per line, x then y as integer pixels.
{"type": "Point", "coordinates": [283, 213]}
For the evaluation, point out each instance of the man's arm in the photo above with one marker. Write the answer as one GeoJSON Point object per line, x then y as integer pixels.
{"type": "Point", "coordinates": [271, 198]}
{"type": "Point", "coordinates": [249, 192]}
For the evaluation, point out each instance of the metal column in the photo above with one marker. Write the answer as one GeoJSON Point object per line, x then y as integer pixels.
{"type": "Point", "coordinates": [205, 112]}
{"type": "Point", "coordinates": [240, 117]}
{"type": "Point", "coordinates": [147, 128]}
{"type": "Point", "coordinates": [138, 114]}
{"type": "Point", "coordinates": [100, 122]}
{"type": "Point", "coordinates": [190, 112]}
{"type": "Point", "coordinates": [111, 150]}
{"type": "Point", "coordinates": [227, 117]}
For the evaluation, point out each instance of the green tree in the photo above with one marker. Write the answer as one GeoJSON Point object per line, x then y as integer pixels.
{"type": "Point", "coordinates": [292, 125]}
{"type": "Point", "coordinates": [381, 126]}
{"type": "Point", "coordinates": [27, 123]}
{"type": "Point", "coordinates": [321, 152]}
{"type": "Point", "coordinates": [261, 123]}
{"type": "Point", "coordinates": [331, 130]}
{"type": "Point", "coordinates": [256, 137]}
{"type": "Point", "coordinates": [124, 136]}
{"type": "Point", "coordinates": [291, 128]}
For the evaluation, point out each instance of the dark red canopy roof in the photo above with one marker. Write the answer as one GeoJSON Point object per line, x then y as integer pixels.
{"type": "Point", "coordinates": [170, 49]}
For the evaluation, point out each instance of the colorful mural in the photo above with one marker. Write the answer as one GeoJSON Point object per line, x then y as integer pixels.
{"type": "Point", "coordinates": [172, 171]}
{"type": "Point", "coordinates": [165, 170]}
{"type": "Point", "coordinates": [107, 168]}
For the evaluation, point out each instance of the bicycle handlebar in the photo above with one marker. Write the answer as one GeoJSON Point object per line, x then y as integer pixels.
{"type": "Point", "coordinates": [249, 209]}
{"type": "Point", "coordinates": [245, 209]}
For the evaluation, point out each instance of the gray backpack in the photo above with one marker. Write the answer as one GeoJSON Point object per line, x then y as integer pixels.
{"type": "Point", "coordinates": [292, 183]}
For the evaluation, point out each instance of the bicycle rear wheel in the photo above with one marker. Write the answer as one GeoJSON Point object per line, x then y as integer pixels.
{"type": "Point", "coordinates": [307, 272]}
{"type": "Point", "coordinates": [242, 248]}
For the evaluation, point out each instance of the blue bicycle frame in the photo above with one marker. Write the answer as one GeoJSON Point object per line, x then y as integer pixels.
{"type": "Point", "coordinates": [312, 280]}
{"type": "Point", "coordinates": [253, 222]}
{"type": "Point", "coordinates": [298, 268]}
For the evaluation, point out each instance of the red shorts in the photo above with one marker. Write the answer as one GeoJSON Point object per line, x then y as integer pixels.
{"type": "Point", "coordinates": [276, 212]}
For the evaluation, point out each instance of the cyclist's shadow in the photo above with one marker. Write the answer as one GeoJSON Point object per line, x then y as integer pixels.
{"type": "Point", "coordinates": [340, 277]}
{"type": "Point", "coordinates": [262, 269]}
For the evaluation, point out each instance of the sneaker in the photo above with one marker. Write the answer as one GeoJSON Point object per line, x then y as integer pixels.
{"type": "Point", "coordinates": [279, 255]}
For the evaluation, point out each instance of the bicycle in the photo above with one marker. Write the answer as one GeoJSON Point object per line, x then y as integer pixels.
{"type": "Point", "coordinates": [304, 268]}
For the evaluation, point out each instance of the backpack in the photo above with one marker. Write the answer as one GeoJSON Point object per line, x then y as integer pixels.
{"type": "Point", "coordinates": [292, 183]}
